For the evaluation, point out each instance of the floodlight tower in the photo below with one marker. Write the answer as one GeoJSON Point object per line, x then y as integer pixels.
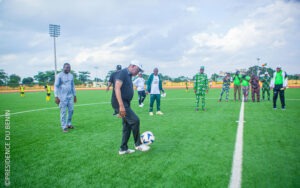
{"type": "Point", "coordinates": [257, 66]}
{"type": "Point", "coordinates": [54, 31]}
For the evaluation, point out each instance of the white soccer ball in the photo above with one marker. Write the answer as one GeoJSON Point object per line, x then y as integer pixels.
{"type": "Point", "coordinates": [164, 94]}
{"type": "Point", "coordinates": [147, 138]}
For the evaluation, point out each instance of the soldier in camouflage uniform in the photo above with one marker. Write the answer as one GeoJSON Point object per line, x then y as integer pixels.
{"type": "Point", "coordinates": [226, 86]}
{"type": "Point", "coordinates": [266, 86]}
{"type": "Point", "coordinates": [200, 87]}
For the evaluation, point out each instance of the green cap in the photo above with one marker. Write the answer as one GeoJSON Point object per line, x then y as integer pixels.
{"type": "Point", "coordinates": [202, 67]}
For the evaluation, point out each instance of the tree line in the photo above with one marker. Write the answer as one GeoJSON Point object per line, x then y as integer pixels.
{"type": "Point", "coordinates": [83, 77]}
{"type": "Point", "coordinates": [42, 78]}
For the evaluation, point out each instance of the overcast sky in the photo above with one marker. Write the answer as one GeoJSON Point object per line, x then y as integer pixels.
{"type": "Point", "coordinates": [177, 36]}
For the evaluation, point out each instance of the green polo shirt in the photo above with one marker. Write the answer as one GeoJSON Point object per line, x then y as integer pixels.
{"type": "Point", "coordinates": [237, 80]}
{"type": "Point", "coordinates": [245, 81]}
{"type": "Point", "coordinates": [278, 78]}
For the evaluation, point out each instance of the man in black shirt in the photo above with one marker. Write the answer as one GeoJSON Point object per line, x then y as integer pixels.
{"type": "Point", "coordinates": [111, 81]}
{"type": "Point", "coordinates": [121, 98]}
{"type": "Point", "coordinates": [112, 77]}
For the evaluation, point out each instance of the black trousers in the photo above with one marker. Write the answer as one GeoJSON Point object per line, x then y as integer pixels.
{"type": "Point", "coordinates": [142, 96]}
{"type": "Point", "coordinates": [131, 122]}
{"type": "Point", "coordinates": [276, 90]}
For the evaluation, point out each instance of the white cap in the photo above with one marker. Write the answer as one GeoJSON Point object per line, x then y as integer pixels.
{"type": "Point", "coordinates": [266, 73]}
{"type": "Point", "coordinates": [278, 66]}
{"type": "Point", "coordinates": [137, 63]}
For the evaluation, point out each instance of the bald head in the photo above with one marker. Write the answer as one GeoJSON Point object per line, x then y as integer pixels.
{"type": "Point", "coordinates": [67, 68]}
{"type": "Point", "coordinates": [155, 71]}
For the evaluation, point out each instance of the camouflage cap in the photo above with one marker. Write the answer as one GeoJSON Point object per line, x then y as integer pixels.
{"type": "Point", "coordinates": [202, 67]}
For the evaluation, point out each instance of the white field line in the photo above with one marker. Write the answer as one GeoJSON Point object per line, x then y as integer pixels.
{"type": "Point", "coordinates": [236, 171]}
{"type": "Point", "coordinates": [89, 104]}
{"type": "Point", "coordinates": [42, 109]}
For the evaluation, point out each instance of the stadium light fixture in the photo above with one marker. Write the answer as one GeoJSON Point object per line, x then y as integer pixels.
{"type": "Point", "coordinates": [54, 31]}
{"type": "Point", "coordinates": [257, 68]}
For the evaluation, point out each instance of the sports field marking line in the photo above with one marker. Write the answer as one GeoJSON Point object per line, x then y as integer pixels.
{"type": "Point", "coordinates": [186, 98]}
{"type": "Point", "coordinates": [211, 99]}
{"type": "Point", "coordinates": [42, 109]}
{"type": "Point", "coordinates": [89, 104]}
{"type": "Point", "coordinates": [236, 171]}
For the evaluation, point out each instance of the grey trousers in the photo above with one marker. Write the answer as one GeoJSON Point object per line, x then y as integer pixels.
{"type": "Point", "coordinates": [65, 104]}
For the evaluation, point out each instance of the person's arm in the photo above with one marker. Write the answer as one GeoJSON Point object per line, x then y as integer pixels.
{"type": "Point", "coordinates": [272, 83]}
{"type": "Point", "coordinates": [73, 90]}
{"type": "Point", "coordinates": [206, 83]}
{"type": "Point", "coordinates": [160, 85]}
{"type": "Point", "coordinates": [118, 85]}
{"type": "Point", "coordinates": [285, 81]}
{"type": "Point", "coordinates": [108, 85]}
{"type": "Point", "coordinates": [56, 89]}
{"type": "Point", "coordinates": [136, 83]}
{"type": "Point", "coordinates": [149, 82]}
{"type": "Point", "coordinates": [195, 83]}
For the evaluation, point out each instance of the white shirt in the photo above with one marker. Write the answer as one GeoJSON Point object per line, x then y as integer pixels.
{"type": "Point", "coordinates": [139, 83]}
{"type": "Point", "coordinates": [155, 85]}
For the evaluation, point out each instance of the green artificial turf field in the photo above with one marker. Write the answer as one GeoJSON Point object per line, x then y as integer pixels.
{"type": "Point", "coordinates": [192, 149]}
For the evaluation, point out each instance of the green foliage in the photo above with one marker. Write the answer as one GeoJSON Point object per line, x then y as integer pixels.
{"type": "Point", "coordinates": [14, 80]}
{"type": "Point", "coordinates": [3, 77]}
{"type": "Point", "coordinates": [214, 77]}
{"type": "Point", "coordinates": [96, 79]}
{"type": "Point", "coordinates": [44, 77]}
{"type": "Point", "coordinates": [28, 81]}
{"type": "Point", "coordinates": [257, 70]}
{"type": "Point", "coordinates": [181, 79]}
{"type": "Point", "coordinates": [293, 77]}
{"type": "Point", "coordinates": [83, 76]}
{"type": "Point", "coordinates": [106, 79]}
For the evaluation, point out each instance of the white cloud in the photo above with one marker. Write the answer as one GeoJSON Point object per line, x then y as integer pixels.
{"type": "Point", "coordinates": [191, 9]}
{"type": "Point", "coordinates": [266, 27]}
{"type": "Point", "coordinates": [38, 39]}
{"type": "Point", "coordinates": [7, 58]}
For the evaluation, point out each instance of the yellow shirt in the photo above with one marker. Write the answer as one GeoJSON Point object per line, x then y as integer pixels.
{"type": "Point", "coordinates": [48, 88]}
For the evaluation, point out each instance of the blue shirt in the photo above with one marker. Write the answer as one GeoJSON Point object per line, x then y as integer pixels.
{"type": "Point", "coordinates": [64, 86]}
